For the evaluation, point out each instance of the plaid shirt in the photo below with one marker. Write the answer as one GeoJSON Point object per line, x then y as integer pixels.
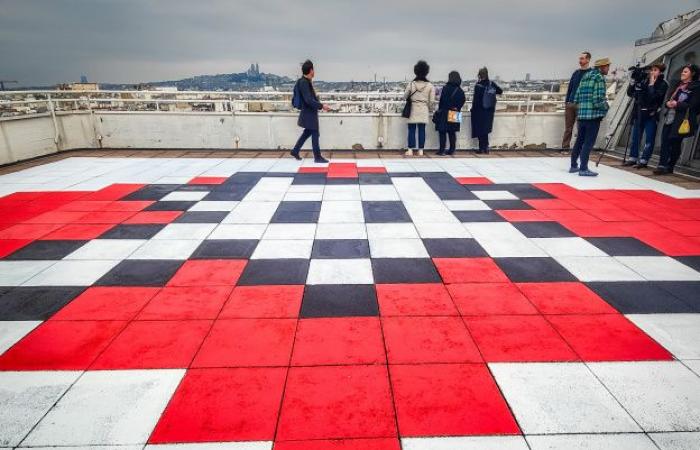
{"type": "Point", "coordinates": [590, 96]}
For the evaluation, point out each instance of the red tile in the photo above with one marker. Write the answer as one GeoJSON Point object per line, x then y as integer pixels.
{"type": "Point", "coordinates": [613, 215]}
{"type": "Point", "coordinates": [154, 345]}
{"type": "Point", "coordinates": [341, 444]}
{"type": "Point", "coordinates": [85, 205]}
{"type": "Point", "coordinates": [608, 337]}
{"type": "Point", "coordinates": [473, 180]}
{"type": "Point", "coordinates": [670, 243]}
{"type": "Point", "coordinates": [489, 299]}
{"type": "Point", "coordinates": [449, 400]}
{"type": "Point", "coordinates": [428, 340]}
{"type": "Point", "coordinates": [469, 270]}
{"type": "Point", "coordinates": [114, 217]}
{"type": "Point", "coordinates": [342, 170]}
{"type": "Point", "coordinates": [343, 340]}
{"type": "Point", "coordinates": [223, 405]}
{"type": "Point", "coordinates": [58, 217]}
{"type": "Point", "coordinates": [566, 215]}
{"type": "Point", "coordinates": [247, 343]}
{"type": "Point", "coordinates": [371, 170]}
{"type": "Point", "coordinates": [78, 231]}
{"type": "Point", "coordinates": [264, 302]}
{"type": "Point", "coordinates": [131, 205]}
{"type": "Point", "coordinates": [689, 228]}
{"type": "Point", "coordinates": [113, 192]}
{"type": "Point", "coordinates": [429, 299]}
{"type": "Point", "coordinates": [107, 303]}
{"type": "Point", "coordinates": [28, 231]}
{"type": "Point", "coordinates": [207, 180]}
{"type": "Point", "coordinates": [518, 339]}
{"type": "Point", "coordinates": [336, 402]}
{"type": "Point", "coordinates": [595, 229]}
{"type": "Point", "coordinates": [208, 272]}
{"type": "Point", "coordinates": [186, 303]}
{"type": "Point", "coordinates": [549, 203]}
{"type": "Point", "coordinates": [523, 215]}
{"type": "Point", "coordinates": [9, 246]}
{"type": "Point", "coordinates": [565, 298]}
{"type": "Point", "coordinates": [58, 345]}
{"type": "Point", "coordinates": [156, 217]}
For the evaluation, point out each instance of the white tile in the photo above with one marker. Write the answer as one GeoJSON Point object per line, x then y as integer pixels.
{"type": "Point", "coordinates": [341, 192]}
{"type": "Point", "coordinates": [391, 231]}
{"type": "Point", "coordinates": [660, 268]}
{"type": "Point", "coordinates": [677, 441]}
{"type": "Point", "coordinates": [340, 271]}
{"type": "Point", "coordinates": [442, 231]}
{"type": "Point", "coordinates": [345, 211]}
{"type": "Point", "coordinates": [252, 212]}
{"type": "Point", "coordinates": [560, 398]}
{"type": "Point", "coordinates": [91, 447]}
{"type": "Point", "coordinates": [303, 197]}
{"type": "Point", "coordinates": [397, 248]}
{"type": "Point", "coordinates": [306, 188]}
{"type": "Point", "coordinates": [290, 231]}
{"type": "Point", "coordinates": [283, 248]}
{"type": "Point", "coordinates": [185, 231]}
{"type": "Point", "coordinates": [465, 443]}
{"type": "Point", "coordinates": [108, 408]}
{"type": "Point", "coordinates": [114, 249]}
{"type": "Point", "coordinates": [661, 396]}
{"type": "Point", "coordinates": [72, 273]}
{"type": "Point", "coordinates": [603, 268]}
{"type": "Point", "coordinates": [24, 399]}
{"type": "Point", "coordinates": [694, 365]}
{"type": "Point", "coordinates": [503, 240]}
{"type": "Point", "coordinates": [627, 441]}
{"type": "Point", "coordinates": [341, 231]}
{"type": "Point", "coordinates": [495, 195]}
{"type": "Point", "coordinates": [252, 445]}
{"type": "Point", "coordinates": [186, 196]}
{"type": "Point", "coordinates": [238, 231]}
{"type": "Point", "coordinates": [678, 333]}
{"type": "Point", "coordinates": [13, 331]}
{"type": "Point", "coordinates": [378, 193]}
{"type": "Point", "coordinates": [15, 273]}
{"type": "Point", "coordinates": [214, 206]}
{"type": "Point", "coordinates": [568, 246]}
{"type": "Point", "coordinates": [466, 205]}
{"type": "Point", "coordinates": [166, 249]}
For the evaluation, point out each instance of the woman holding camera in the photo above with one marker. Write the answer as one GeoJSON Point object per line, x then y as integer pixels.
{"type": "Point", "coordinates": [649, 93]}
{"type": "Point", "coordinates": [680, 122]}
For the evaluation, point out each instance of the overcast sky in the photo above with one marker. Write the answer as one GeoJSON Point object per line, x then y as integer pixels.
{"type": "Point", "coordinates": [51, 41]}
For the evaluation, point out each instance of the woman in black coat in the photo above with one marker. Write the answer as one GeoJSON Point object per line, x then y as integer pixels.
{"type": "Point", "coordinates": [482, 117]}
{"type": "Point", "coordinates": [683, 104]}
{"type": "Point", "coordinates": [451, 99]}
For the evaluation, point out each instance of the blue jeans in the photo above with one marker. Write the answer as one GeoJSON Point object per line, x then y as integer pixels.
{"type": "Point", "coordinates": [647, 126]}
{"type": "Point", "coordinates": [314, 134]}
{"type": "Point", "coordinates": [412, 135]}
{"type": "Point", "coordinates": [587, 134]}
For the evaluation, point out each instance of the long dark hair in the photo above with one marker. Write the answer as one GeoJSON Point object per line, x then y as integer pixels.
{"type": "Point", "coordinates": [454, 78]}
{"type": "Point", "coordinates": [421, 69]}
{"type": "Point", "coordinates": [694, 71]}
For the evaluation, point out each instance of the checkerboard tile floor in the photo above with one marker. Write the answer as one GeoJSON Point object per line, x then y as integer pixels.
{"type": "Point", "coordinates": [374, 304]}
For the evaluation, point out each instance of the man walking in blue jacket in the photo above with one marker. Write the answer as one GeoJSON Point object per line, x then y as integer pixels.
{"type": "Point", "coordinates": [308, 114]}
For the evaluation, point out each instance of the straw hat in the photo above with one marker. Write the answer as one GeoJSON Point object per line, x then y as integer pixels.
{"type": "Point", "coordinates": [602, 62]}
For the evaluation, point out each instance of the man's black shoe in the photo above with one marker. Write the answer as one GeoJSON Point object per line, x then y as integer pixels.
{"type": "Point", "coordinates": [320, 160]}
{"type": "Point", "coordinates": [629, 163]}
{"type": "Point", "coordinates": [295, 155]}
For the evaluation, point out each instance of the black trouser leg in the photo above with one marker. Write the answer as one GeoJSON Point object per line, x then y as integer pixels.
{"type": "Point", "coordinates": [302, 139]}
{"type": "Point", "coordinates": [443, 140]}
{"type": "Point", "coordinates": [665, 152]}
{"type": "Point", "coordinates": [484, 143]}
{"type": "Point", "coordinates": [676, 147]}
{"type": "Point", "coordinates": [453, 141]}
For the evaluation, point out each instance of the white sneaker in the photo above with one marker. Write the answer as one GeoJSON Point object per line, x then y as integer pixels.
{"type": "Point", "coordinates": [409, 152]}
{"type": "Point", "coordinates": [420, 152]}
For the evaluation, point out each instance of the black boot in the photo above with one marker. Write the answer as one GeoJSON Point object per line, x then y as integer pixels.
{"type": "Point", "coordinates": [295, 155]}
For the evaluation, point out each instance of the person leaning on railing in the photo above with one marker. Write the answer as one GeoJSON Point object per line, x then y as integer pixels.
{"type": "Point", "coordinates": [680, 121]}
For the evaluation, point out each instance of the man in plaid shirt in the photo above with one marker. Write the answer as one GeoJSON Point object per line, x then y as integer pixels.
{"type": "Point", "coordinates": [592, 107]}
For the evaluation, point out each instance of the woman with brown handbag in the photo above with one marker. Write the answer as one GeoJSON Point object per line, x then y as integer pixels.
{"type": "Point", "coordinates": [448, 116]}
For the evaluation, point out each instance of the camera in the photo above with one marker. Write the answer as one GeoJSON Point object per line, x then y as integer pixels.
{"type": "Point", "coordinates": [639, 73]}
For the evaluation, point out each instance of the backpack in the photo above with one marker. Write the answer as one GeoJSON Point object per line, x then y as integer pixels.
{"type": "Point", "coordinates": [489, 99]}
{"type": "Point", "coordinates": [297, 100]}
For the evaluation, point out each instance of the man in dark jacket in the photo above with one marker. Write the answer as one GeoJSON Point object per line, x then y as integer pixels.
{"type": "Point", "coordinates": [308, 115]}
{"type": "Point", "coordinates": [649, 97]}
{"type": "Point", "coordinates": [584, 60]}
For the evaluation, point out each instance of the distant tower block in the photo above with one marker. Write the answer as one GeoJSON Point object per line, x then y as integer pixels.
{"type": "Point", "coordinates": [527, 77]}
{"type": "Point", "coordinates": [83, 79]}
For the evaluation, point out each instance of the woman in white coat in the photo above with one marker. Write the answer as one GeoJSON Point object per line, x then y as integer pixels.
{"type": "Point", "coordinates": [422, 95]}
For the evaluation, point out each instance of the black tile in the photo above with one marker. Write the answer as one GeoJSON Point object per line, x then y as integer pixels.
{"type": "Point", "coordinates": [342, 181]}
{"type": "Point", "coordinates": [274, 271]}
{"type": "Point", "coordinates": [135, 272]}
{"type": "Point", "coordinates": [170, 206]}
{"type": "Point", "coordinates": [507, 204]}
{"type": "Point", "coordinates": [686, 291]}
{"type": "Point", "coordinates": [462, 194]}
{"type": "Point", "coordinates": [202, 217]}
{"type": "Point", "coordinates": [136, 231]}
{"type": "Point", "coordinates": [339, 300]}
{"type": "Point", "coordinates": [690, 261]}
{"type": "Point", "coordinates": [50, 250]}
{"type": "Point", "coordinates": [385, 212]}
{"type": "Point", "coordinates": [623, 246]}
{"type": "Point", "coordinates": [404, 270]}
{"type": "Point", "coordinates": [279, 174]}
{"type": "Point", "coordinates": [523, 191]}
{"type": "Point", "coordinates": [543, 229]}
{"type": "Point", "coordinates": [478, 216]}
{"type": "Point", "coordinates": [526, 270]}
{"type": "Point", "coordinates": [196, 187]}
{"type": "Point", "coordinates": [374, 178]}
{"type": "Point", "coordinates": [35, 303]}
{"type": "Point", "coordinates": [246, 178]}
{"type": "Point", "coordinates": [225, 249]}
{"type": "Point", "coordinates": [453, 248]}
{"type": "Point", "coordinates": [639, 297]}
{"type": "Point", "coordinates": [299, 206]}
{"type": "Point", "coordinates": [404, 174]}
{"type": "Point", "coordinates": [295, 217]}
{"type": "Point", "coordinates": [152, 192]}
{"type": "Point", "coordinates": [309, 178]}
{"type": "Point", "coordinates": [224, 196]}
{"type": "Point", "coordinates": [340, 249]}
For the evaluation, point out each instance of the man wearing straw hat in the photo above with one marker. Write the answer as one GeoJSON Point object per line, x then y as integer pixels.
{"type": "Point", "coordinates": [592, 106]}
